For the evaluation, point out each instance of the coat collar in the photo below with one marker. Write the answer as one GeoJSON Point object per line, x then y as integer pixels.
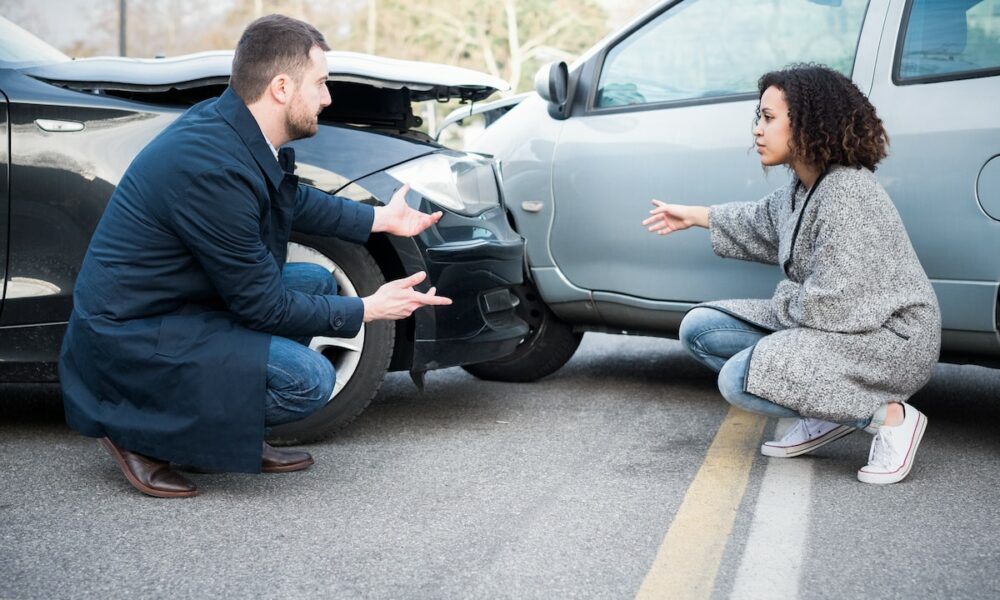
{"type": "Point", "coordinates": [787, 264]}
{"type": "Point", "coordinates": [236, 113]}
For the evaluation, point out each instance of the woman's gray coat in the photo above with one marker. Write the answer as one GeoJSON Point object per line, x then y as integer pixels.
{"type": "Point", "coordinates": [856, 320]}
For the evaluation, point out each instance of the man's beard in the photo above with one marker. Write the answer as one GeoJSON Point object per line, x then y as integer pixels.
{"type": "Point", "coordinates": [300, 124]}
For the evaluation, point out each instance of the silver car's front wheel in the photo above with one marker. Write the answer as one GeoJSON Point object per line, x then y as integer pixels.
{"type": "Point", "coordinates": [360, 362]}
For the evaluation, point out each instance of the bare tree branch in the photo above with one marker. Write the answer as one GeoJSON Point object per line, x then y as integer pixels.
{"type": "Point", "coordinates": [548, 33]}
{"type": "Point", "coordinates": [513, 41]}
{"type": "Point", "coordinates": [488, 56]}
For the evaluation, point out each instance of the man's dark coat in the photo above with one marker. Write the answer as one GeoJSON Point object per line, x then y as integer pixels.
{"type": "Point", "coordinates": [180, 292]}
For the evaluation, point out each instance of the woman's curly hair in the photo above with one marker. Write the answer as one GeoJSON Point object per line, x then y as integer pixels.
{"type": "Point", "coordinates": [833, 123]}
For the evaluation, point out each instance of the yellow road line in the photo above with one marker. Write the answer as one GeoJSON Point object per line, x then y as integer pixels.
{"type": "Point", "coordinates": [689, 557]}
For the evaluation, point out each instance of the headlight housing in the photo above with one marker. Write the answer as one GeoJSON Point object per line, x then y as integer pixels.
{"type": "Point", "coordinates": [462, 183]}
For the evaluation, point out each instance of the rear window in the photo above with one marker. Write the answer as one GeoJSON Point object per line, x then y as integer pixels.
{"type": "Point", "coordinates": [949, 39]}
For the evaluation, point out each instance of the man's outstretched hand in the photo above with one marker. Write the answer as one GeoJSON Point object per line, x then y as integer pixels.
{"type": "Point", "coordinates": [398, 218]}
{"type": "Point", "coordinates": [397, 299]}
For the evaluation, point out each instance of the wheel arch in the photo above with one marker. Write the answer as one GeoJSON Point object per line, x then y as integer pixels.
{"type": "Point", "coordinates": [388, 252]}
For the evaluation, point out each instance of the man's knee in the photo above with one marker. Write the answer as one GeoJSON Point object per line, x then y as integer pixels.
{"type": "Point", "coordinates": [322, 378]}
{"type": "Point", "coordinates": [310, 278]}
{"type": "Point", "coordinates": [298, 385]}
{"type": "Point", "coordinates": [324, 281]}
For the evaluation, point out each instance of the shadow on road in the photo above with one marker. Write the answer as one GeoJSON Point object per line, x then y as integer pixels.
{"type": "Point", "coordinates": [960, 393]}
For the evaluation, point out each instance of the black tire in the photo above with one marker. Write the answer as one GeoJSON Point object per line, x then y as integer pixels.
{"type": "Point", "coordinates": [550, 343]}
{"type": "Point", "coordinates": [364, 382]}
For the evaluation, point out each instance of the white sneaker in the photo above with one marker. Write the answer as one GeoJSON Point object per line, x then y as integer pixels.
{"type": "Point", "coordinates": [805, 436]}
{"type": "Point", "coordinates": [893, 448]}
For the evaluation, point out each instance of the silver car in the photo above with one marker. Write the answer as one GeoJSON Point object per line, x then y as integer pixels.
{"type": "Point", "coordinates": [663, 109]}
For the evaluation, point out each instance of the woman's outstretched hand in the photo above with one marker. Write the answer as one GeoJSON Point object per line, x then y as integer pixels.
{"type": "Point", "coordinates": [667, 218]}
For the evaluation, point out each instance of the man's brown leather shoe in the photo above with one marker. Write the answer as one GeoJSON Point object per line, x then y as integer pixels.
{"type": "Point", "coordinates": [273, 460]}
{"type": "Point", "coordinates": [148, 475]}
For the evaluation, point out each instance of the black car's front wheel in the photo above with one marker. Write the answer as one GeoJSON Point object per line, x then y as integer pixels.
{"type": "Point", "coordinates": [550, 343]}
{"type": "Point", "coordinates": [360, 362]}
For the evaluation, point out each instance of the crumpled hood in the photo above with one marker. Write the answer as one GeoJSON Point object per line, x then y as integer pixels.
{"type": "Point", "coordinates": [426, 81]}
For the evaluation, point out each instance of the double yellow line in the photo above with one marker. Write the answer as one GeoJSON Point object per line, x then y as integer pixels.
{"type": "Point", "coordinates": [688, 559]}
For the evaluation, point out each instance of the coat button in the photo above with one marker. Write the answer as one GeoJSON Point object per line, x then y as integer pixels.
{"type": "Point", "coordinates": [339, 322]}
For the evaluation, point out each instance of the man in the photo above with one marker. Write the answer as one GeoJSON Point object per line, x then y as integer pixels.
{"type": "Point", "coordinates": [180, 346]}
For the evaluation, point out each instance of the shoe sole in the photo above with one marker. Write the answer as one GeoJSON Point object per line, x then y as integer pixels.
{"type": "Point", "coordinates": [305, 464]}
{"type": "Point", "coordinates": [808, 446]}
{"type": "Point", "coordinates": [145, 489]}
{"type": "Point", "coordinates": [904, 470]}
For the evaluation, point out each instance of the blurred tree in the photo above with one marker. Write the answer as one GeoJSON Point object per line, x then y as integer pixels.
{"type": "Point", "coordinates": [507, 38]}
{"type": "Point", "coordinates": [173, 27]}
{"type": "Point", "coordinates": [329, 17]}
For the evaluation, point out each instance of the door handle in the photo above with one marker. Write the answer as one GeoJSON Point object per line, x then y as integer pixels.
{"type": "Point", "coordinates": [532, 206]}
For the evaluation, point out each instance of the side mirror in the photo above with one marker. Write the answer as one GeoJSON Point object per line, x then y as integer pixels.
{"type": "Point", "coordinates": [552, 84]}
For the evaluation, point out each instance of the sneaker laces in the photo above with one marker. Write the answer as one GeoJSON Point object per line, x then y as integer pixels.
{"type": "Point", "coordinates": [882, 453]}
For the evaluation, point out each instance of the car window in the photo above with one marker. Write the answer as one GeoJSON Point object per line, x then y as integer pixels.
{"type": "Point", "coordinates": [711, 48]}
{"type": "Point", "coordinates": [948, 39]}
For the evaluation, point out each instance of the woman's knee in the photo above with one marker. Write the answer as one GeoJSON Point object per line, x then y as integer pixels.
{"type": "Point", "coordinates": [696, 322]}
{"type": "Point", "coordinates": [731, 379]}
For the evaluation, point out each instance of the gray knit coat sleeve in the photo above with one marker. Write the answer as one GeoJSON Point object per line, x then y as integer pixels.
{"type": "Point", "coordinates": [748, 230]}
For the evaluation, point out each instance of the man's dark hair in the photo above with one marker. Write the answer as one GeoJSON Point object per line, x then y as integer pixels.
{"type": "Point", "coordinates": [833, 123]}
{"type": "Point", "coordinates": [269, 46]}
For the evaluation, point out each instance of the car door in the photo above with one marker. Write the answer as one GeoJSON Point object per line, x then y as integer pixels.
{"type": "Point", "coordinates": [937, 88]}
{"type": "Point", "coordinates": [68, 150]}
{"type": "Point", "coordinates": [668, 114]}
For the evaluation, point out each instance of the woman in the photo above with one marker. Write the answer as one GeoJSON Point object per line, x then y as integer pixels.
{"type": "Point", "coordinates": [854, 329]}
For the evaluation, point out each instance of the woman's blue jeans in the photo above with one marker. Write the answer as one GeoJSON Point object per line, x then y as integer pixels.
{"type": "Point", "coordinates": [724, 344]}
{"type": "Point", "coordinates": [299, 380]}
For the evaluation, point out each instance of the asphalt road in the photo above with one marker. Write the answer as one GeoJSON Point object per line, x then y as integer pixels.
{"type": "Point", "coordinates": [570, 487]}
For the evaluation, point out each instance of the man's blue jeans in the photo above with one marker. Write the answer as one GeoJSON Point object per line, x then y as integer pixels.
{"type": "Point", "coordinates": [724, 343]}
{"type": "Point", "coordinates": [299, 380]}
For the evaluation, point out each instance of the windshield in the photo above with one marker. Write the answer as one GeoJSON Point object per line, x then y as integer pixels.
{"type": "Point", "coordinates": [17, 46]}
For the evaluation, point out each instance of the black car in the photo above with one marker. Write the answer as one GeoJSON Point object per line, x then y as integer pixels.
{"type": "Point", "coordinates": [69, 128]}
